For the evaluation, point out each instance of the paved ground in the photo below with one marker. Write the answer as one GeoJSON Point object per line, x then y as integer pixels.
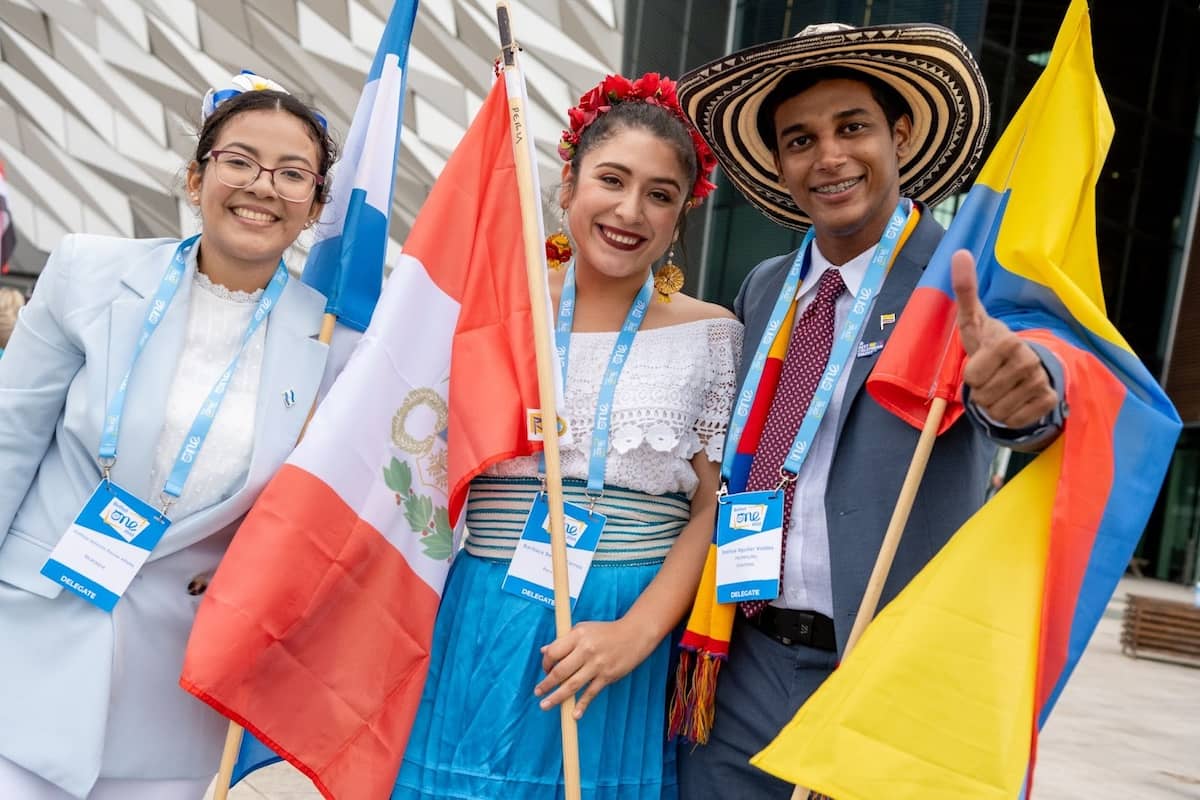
{"type": "Point", "coordinates": [1124, 728]}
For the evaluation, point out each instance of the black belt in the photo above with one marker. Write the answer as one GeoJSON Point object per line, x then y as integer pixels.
{"type": "Point", "coordinates": [797, 627]}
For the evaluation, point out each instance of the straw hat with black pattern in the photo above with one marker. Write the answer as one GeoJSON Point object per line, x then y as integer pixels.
{"type": "Point", "coordinates": [928, 65]}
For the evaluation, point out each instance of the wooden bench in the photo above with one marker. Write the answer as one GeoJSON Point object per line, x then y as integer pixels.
{"type": "Point", "coordinates": [1164, 630]}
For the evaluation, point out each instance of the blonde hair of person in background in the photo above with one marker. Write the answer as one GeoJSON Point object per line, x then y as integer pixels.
{"type": "Point", "coordinates": [11, 301]}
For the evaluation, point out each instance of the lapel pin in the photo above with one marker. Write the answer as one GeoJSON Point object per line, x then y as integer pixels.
{"type": "Point", "coordinates": [289, 398]}
{"type": "Point", "coordinates": [886, 319]}
{"type": "Point", "coordinates": [866, 349]}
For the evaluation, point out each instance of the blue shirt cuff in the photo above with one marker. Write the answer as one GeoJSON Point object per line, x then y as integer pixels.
{"type": "Point", "coordinates": [1041, 433]}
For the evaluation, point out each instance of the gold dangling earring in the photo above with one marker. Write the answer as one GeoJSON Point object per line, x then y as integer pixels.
{"type": "Point", "coordinates": [669, 278]}
{"type": "Point", "coordinates": [558, 246]}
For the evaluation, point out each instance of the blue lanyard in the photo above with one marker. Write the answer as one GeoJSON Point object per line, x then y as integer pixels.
{"type": "Point", "coordinates": [741, 411]}
{"type": "Point", "coordinates": [616, 362]}
{"type": "Point", "coordinates": [158, 309]}
{"type": "Point", "coordinates": [838, 359]}
{"type": "Point", "coordinates": [196, 435]}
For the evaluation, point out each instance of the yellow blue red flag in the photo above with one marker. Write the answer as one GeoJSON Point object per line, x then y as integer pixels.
{"type": "Point", "coordinates": [945, 693]}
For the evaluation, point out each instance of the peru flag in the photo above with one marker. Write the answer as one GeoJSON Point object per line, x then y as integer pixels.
{"type": "Point", "coordinates": [315, 632]}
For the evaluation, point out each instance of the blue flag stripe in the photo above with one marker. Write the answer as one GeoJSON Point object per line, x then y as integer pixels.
{"type": "Point", "coordinates": [346, 263]}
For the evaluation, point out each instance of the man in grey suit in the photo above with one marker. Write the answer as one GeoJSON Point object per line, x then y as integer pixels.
{"type": "Point", "coordinates": [841, 128]}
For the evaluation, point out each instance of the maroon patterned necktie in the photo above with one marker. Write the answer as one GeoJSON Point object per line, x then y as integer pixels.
{"type": "Point", "coordinates": [807, 353]}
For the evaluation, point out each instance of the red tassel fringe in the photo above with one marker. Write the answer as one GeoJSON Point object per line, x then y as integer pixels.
{"type": "Point", "coordinates": [693, 701]}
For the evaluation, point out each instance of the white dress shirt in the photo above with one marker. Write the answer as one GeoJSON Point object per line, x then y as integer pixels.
{"type": "Point", "coordinates": [807, 584]}
{"type": "Point", "coordinates": [217, 321]}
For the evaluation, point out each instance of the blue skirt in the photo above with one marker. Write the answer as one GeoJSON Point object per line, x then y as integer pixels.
{"type": "Point", "coordinates": [479, 731]}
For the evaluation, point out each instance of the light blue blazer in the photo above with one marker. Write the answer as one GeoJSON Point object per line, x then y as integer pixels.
{"type": "Point", "coordinates": [61, 659]}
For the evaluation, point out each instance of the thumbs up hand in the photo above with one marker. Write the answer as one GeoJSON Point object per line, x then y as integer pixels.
{"type": "Point", "coordinates": [1005, 375]}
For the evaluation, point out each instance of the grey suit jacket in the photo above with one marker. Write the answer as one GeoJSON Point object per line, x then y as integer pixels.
{"type": "Point", "coordinates": [874, 447]}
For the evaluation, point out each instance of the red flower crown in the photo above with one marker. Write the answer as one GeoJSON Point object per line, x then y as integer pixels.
{"type": "Point", "coordinates": [650, 88]}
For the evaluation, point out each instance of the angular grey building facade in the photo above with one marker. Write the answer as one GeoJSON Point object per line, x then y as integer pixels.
{"type": "Point", "coordinates": [99, 99]}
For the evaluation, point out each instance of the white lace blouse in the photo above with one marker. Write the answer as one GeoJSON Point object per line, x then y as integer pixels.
{"type": "Point", "coordinates": [672, 400]}
{"type": "Point", "coordinates": [217, 320]}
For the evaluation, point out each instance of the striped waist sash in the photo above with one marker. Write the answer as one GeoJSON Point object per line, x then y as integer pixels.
{"type": "Point", "coordinates": [640, 529]}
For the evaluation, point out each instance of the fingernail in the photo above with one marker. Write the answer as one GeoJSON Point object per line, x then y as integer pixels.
{"type": "Point", "coordinates": [545, 704]}
{"type": "Point", "coordinates": [537, 692]}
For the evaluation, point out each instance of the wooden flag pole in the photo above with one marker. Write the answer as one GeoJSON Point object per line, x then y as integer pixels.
{"type": "Point", "coordinates": [895, 529]}
{"type": "Point", "coordinates": [233, 736]}
{"type": "Point", "coordinates": [891, 539]}
{"type": "Point", "coordinates": [233, 744]}
{"type": "Point", "coordinates": [535, 267]}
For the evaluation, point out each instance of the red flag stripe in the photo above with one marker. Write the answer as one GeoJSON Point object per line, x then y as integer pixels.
{"type": "Point", "coordinates": [309, 662]}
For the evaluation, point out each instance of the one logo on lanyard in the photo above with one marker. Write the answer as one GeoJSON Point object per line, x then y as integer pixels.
{"type": "Point", "coordinates": [188, 454]}
{"type": "Point", "coordinates": [862, 300]}
{"type": "Point", "coordinates": [157, 311]}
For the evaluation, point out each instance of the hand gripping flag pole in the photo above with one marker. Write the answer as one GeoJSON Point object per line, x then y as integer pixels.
{"type": "Point", "coordinates": [535, 264]}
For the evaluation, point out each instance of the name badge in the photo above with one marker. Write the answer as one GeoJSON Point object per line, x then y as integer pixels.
{"type": "Point", "coordinates": [531, 573]}
{"type": "Point", "coordinates": [749, 545]}
{"type": "Point", "coordinates": [106, 545]}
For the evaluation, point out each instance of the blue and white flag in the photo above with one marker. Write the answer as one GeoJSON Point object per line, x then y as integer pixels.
{"type": "Point", "coordinates": [346, 263]}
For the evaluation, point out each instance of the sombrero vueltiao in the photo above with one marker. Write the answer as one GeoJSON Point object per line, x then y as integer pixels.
{"type": "Point", "coordinates": [928, 65]}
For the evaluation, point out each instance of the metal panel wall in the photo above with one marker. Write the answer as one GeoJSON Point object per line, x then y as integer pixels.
{"type": "Point", "coordinates": [99, 99]}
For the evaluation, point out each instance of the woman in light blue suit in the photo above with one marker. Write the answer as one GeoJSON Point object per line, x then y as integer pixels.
{"type": "Point", "coordinates": [186, 425]}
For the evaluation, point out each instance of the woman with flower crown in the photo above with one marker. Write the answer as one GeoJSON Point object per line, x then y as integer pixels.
{"type": "Point", "coordinates": [649, 382]}
{"type": "Point", "coordinates": [149, 391]}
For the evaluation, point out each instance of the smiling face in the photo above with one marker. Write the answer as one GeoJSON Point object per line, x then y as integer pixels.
{"type": "Point", "coordinates": [840, 160]}
{"type": "Point", "coordinates": [624, 203]}
{"type": "Point", "coordinates": [246, 231]}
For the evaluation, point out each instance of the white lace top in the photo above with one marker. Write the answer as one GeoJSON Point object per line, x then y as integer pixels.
{"type": "Point", "coordinates": [672, 401]}
{"type": "Point", "coordinates": [217, 320]}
